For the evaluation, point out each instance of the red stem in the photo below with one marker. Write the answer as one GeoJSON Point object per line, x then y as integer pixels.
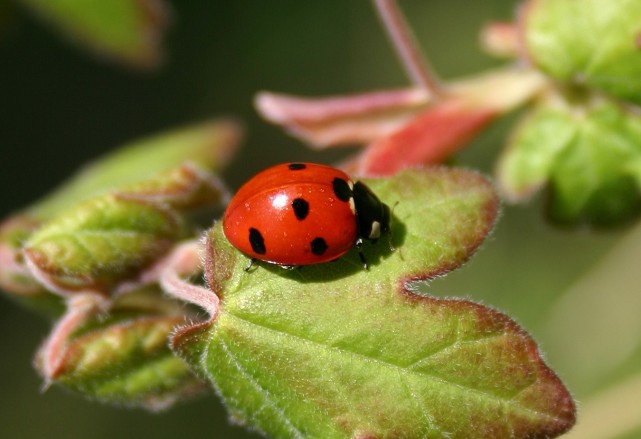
{"type": "Point", "coordinates": [417, 67]}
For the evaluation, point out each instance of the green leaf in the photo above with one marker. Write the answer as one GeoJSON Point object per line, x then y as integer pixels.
{"type": "Point", "coordinates": [124, 358]}
{"type": "Point", "coordinates": [15, 278]}
{"type": "Point", "coordinates": [113, 237]}
{"type": "Point", "coordinates": [332, 350]}
{"type": "Point", "coordinates": [593, 42]}
{"type": "Point", "coordinates": [209, 145]}
{"type": "Point", "coordinates": [533, 151]}
{"type": "Point", "coordinates": [101, 242]}
{"type": "Point", "coordinates": [587, 151]}
{"type": "Point", "coordinates": [128, 31]}
{"type": "Point", "coordinates": [182, 188]}
{"type": "Point", "coordinates": [145, 178]}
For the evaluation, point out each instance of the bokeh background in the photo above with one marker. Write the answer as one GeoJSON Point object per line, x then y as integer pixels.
{"type": "Point", "coordinates": [61, 107]}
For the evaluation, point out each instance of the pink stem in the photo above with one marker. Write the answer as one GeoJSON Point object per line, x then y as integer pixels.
{"type": "Point", "coordinates": [417, 67]}
{"type": "Point", "coordinates": [184, 260]}
{"type": "Point", "coordinates": [55, 346]}
{"type": "Point", "coordinates": [172, 284]}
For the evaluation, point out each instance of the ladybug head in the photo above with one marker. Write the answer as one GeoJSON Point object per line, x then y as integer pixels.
{"type": "Point", "coordinates": [372, 215]}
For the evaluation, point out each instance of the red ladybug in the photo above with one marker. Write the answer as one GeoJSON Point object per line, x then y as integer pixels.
{"type": "Point", "coordinates": [301, 214]}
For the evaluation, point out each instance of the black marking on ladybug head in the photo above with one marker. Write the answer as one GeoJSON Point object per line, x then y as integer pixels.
{"type": "Point", "coordinates": [301, 208]}
{"type": "Point", "coordinates": [296, 166]}
{"type": "Point", "coordinates": [319, 246]}
{"type": "Point", "coordinates": [256, 241]}
{"type": "Point", "coordinates": [342, 189]}
{"type": "Point", "coordinates": [372, 215]}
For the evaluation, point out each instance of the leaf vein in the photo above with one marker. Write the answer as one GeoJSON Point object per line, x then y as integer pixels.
{"type": "Point", "coordinates": [425, 413]}
{"type": "Point", "coordinates": [261, 390]}
{"type": "Point", "coordinates": [481, 393]}
{"type": "Point", "coordinates": [455, 344]}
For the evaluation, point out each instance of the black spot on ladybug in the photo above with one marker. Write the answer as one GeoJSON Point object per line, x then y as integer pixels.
{"type": "Point", "coordinates": [301, 208]}
{"type": "Point", "coordinates": [256, 241]}
{"type": "Point", "coordinates": [296, 166]}
{"type": "Point", "coordinates": [342, 189]}
{"type": "Point", "coordinates": [319, 246]}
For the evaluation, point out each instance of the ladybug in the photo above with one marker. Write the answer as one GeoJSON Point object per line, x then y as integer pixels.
{"type": "Point", "coordinates": [296, 214]}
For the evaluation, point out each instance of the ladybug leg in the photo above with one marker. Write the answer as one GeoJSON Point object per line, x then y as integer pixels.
{"type": "Point", "coordinates": [389, 234]}
{"type": "Point", "coordinates": [359, 244]}
{"type": "Point", "coordinates": [250, 264]}
{"type": "Point", "coordinates": [363, 260]}
{"type": "Point", "coordinates": [290, 267]}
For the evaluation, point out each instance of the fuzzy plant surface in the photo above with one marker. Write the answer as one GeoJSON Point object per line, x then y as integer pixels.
{"type": "Point", "coordinates": [329, 350]}
{"type": "Point", "coordinates": [85, 255]}
{"type": "Point", "coordinates": [333, 350]}
{"type": "Point", "coordinates": [121, 357]}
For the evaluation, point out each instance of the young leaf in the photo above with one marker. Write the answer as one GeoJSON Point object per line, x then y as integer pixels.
{"type": "Point", "coordinates": [405, 127]}
{"type": "Point", "coordinates": [15, 278]}
{"type": "Point", "coordinates": [128, 31]}
{"type": "Point", "coordinates": [429, 138]}
{"type": "Point", "coordinates": [147, 171]}
{"type": "Point", "coordinates": [208, 145]}
{"type": "Point", "coordinates": [587, 151]}
{"type": "Point", "coordinates": [593, 42]}
{"type": "Point", "coordinates": [501, 39]}
{"type": "Point", "coordinates": [110, 238]}
{"type": "Point", "coordinates": [333, 350]}
{"type": "Point", "coordinates": [124, 358]}
{"type": "Point", "coordinates": [342, 120]}
{"type": "Point", "coordinates": [529, 160]}
{"type": "Point", "coordinates": [101, 242]}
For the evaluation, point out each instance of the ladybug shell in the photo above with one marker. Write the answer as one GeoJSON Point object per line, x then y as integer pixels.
{"type": "Point", "coordinates": [293, 214]}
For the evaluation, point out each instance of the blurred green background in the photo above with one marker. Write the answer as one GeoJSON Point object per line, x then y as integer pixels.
{"type": "Point", "coordinates": [61, 106]}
